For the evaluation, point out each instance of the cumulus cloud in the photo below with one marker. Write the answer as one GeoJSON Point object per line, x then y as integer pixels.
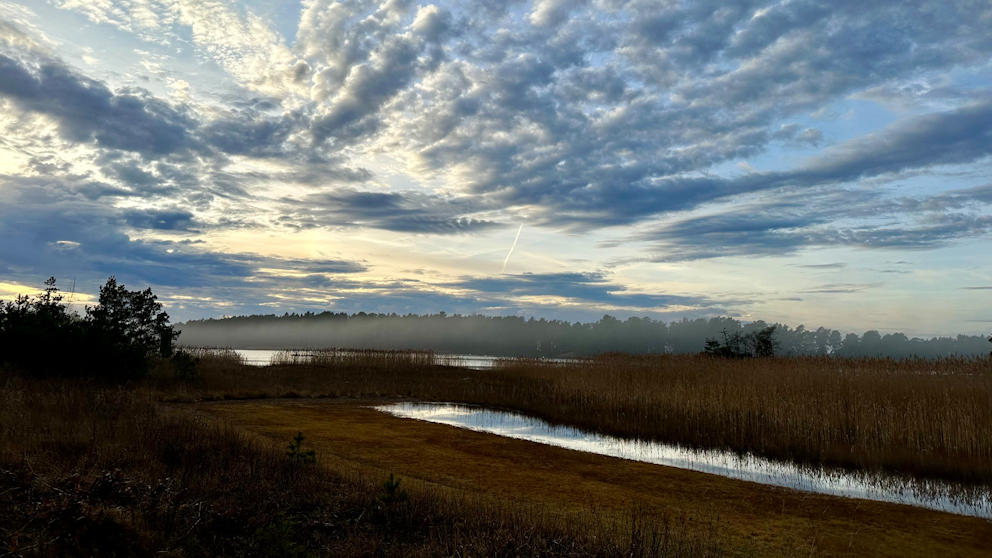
{"type": "Point", "coordinates": [238, 40]}
{"type": "Point", "coordinates": [587, 115]}
{"type": "Point", "coordinates": [166, 219]}
{"type": "Point", "coordinates": [87, 110]}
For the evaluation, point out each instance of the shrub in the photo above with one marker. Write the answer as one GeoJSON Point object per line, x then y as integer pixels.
{"type": "Point", "coordinates": [184, 366]}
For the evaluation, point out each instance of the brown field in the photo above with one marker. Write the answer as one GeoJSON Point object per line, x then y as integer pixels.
{"type": "Point", "coordinates": [177, 468]}
{"type": "Point", "coordinates": [753, 518]}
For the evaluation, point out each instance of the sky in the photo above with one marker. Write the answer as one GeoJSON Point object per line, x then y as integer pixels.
{"type": "Point", "coordinates": [803, 162]}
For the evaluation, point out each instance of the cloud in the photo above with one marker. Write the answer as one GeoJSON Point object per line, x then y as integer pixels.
{"type": "Point", "coordinates": [401, 212]}
{"type": "Point", "coordinates": [40, 222]}
{"type": "Point", "coordinates": [527, 131]}
{"type": "Point", "coordinates": [576, 287]}
{"type": "Point", "coordinates": [87, 111]}
{"type": "Point", "coordinates": [838, 265]}
{"type": "Point", "coordinates": [552, 12]}
{"type": "Point", "coordinates": [842, 288]}
{"type": "Point", "coordinates": [783, 223]}
{"type": "Point", "coordinates": [456, 118]}
{"type": "Point", "coordinates": [238, 40]}
{"type": "Point", "coordinates": [586, 115]}
{"type": "Point", "coordinates": [164, 220]}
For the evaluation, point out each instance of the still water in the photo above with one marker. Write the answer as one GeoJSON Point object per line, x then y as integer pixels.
{"type": "Point", "coordinates": [937, 495]}
{"type": "Point", "coordinates": [262, 357]}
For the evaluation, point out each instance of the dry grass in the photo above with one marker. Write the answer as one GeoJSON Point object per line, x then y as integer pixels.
{"type": "Point", "coordinates": [86, 467]}
{"type": "Point", "coordinates": [89, 470]}
{"type": "Point", "coordinates": [928, 418]}
{"type": "Point", "coordinates": [921, 417]}
{"type": "Point", "coordinates": [766, 520]}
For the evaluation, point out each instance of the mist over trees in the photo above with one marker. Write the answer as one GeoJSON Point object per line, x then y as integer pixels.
{"type": "Point", "coordinates": [516, 336]}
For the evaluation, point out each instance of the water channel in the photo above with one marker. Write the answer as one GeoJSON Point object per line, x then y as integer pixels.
{"type": "Point", "coordinates": [937, 495]}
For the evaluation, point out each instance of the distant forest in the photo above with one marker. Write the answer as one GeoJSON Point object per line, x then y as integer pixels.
{"type": "Point", "coordinates": [516, 336]}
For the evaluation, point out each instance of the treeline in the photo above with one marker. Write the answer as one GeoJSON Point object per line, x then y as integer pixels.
{"type": "Point", "coordinates": [516, 336]}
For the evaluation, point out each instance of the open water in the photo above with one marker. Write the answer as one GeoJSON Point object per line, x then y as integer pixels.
{"type": "Point", "coordinates": [262, 357]}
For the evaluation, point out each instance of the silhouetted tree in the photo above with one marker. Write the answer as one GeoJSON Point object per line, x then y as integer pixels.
{"type": "Point", "coordinates": [116, 338]}
{"type": "Point", "coordinates": [127, 328]}
{"type": "Point", "coordinates": [40, 332]}
{"type": "Point", "coordinates": [759, 343]}
{"type": "Point", "coordinates": [763, 342]}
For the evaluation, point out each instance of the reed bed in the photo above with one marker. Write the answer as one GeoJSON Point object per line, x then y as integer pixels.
{"type": "Point", "coordinates": [87, 469]}
{"type": "Point", "coordinates": [926, 418]}
{"type": "Point", "coordinates": [920, 417]}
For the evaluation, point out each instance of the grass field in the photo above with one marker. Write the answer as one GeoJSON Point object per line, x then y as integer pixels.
{"type": "Point", "coordinates": [176, 468]}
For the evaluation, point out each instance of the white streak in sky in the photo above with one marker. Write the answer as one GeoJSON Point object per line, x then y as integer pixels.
{"type": "Point", "coordinates": [515, 239]}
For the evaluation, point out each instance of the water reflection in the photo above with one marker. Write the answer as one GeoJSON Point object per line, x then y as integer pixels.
{"type": "Point", "coordinates": [263, 357]}
{"type": "Point", "coordinates": [937, 495]}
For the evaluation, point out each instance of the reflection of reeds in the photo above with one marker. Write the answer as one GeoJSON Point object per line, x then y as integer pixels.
{"type": "Point", "coordinates": [363, 358]}
{"type": "Point", "coordinates": [929, 418]}
{"type": "Point", "coordinates": [88, 470]}
{"type": "Point", "coordinates": [216, 357]}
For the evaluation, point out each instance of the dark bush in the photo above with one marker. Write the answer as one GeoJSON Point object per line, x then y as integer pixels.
{"type": "Point", "coordinates": [184, 366]}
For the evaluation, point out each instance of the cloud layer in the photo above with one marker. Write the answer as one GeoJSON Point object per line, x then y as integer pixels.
{"type": "Point", "coordinates": [682, 131]}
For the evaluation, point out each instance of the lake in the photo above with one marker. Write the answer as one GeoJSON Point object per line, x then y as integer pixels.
{"type": "Point", "coordinates": [937, 495]}
{"type": "Point", "coordinates": [262, 357]}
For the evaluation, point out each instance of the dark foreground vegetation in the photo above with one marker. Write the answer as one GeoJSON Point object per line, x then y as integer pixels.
{"type": "Point", "coordinates": [89, 468]}
{"type": "Point", "coordinates": [515, 336]}
{"type": "Point", "coordinates": [92, 470]}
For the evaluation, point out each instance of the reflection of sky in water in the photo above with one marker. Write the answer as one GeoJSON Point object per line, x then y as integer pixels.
{"type": "Point", "coordinates": [936, 495]}
{"type": "Point", "coordinates": [256, 357]}
{"type": "Point", "coordinates": [263, 357]}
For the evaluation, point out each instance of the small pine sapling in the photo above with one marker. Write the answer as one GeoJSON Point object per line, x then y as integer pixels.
{"type": "Point", "coordinates": [392, 493]}
{"type": "Point", "coordinates": [296, 452]}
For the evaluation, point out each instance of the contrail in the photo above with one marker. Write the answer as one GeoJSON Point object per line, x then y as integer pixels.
{"type": "Point", "coordinates": [515, 239]}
